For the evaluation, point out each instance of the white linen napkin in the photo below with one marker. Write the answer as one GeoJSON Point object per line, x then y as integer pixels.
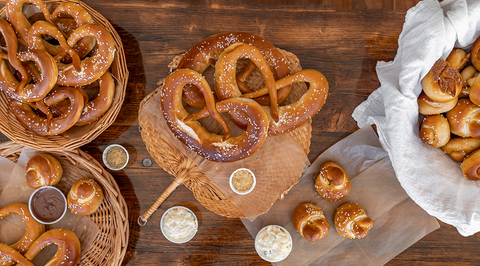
{"type": "Point", "coordinates": [433, 180]}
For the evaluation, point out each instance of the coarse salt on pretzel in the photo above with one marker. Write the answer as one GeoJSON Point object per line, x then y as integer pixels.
{"type": "Point", "coordinates": [209, 145]}
{"type": "Point", "coordinates": [92, 68]}
{"type": "Point", "coordinates": [51, 126]}
{"type": "Point", "coordinates": [10, 256]}
{"type": "Point", "coordinates": [95, 108]}
{"type": "Point", "coordinates": [206, 52]}
{"type": "Point", "coordinates": [12, 48]}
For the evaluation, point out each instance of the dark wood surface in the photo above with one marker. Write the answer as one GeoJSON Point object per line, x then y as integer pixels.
{"type": "Point", "coordinates": [341, 39]}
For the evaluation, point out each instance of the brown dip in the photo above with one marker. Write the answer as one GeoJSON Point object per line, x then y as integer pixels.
{"type": "Point", "coordinates": [116, 157]}
{"type": "Point", "coordinates": [242, 180]}
{"type": "Point", "coordinates": [47, 204]}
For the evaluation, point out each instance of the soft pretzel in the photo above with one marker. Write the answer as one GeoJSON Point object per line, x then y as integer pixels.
{"type": "Point", "coordinates": [471, 166]}
{"type": "Point", "coordinates": [310, 222]}
{"type": "Point", "coordinates": [459, 148]}
{"type": "Point", "coordinates": [51, 126]}
{"type": "Point", "coordinates": [10, 256]}
{"type": "Point", "coordinates": [332, 182]}
{"type": "Point", "coordinates": [93, 67]}
{"type": "Point", "coordinates": [475, 55]}
{"type": "Point", "coordinates": [12, 48]}
{"type": "Point", "coordinates": [33, 228]}
{"type": "Point", "coordinates": [211, 146]}
{"type": "Point", "coordinates": [296, 114]}
{"type": "Point", "coordinates": [14, 14]}
{"type": "Point", "coordinates": [68, 251]}
{"type": "Point", "coordinates": [43, 170]}
{"type": "Point", "coordinates": [85, 196]}
{"type": "Point", "coordinates": [225, 73]}
{"type": "Point", "coordinates": [206, 52]}
{"type": "Point", "coordinates": [467, 73]}
{"type": "Point", "coordinates": [442, 83]}
{"type": "Point", "coordinates": [351, 221]}
{"type": "Point", "coordinates": [435, 130]}
{"type": "Point", "coordinates": [458, 58]}
{"type": "Point", "coordinates": [474, 93]}
{"type": "Point", "coordinates": [428, 107]}
{"type": "Point", "coordinates": [464, 119]}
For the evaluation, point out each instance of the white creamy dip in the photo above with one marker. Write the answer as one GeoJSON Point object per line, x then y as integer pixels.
{"type": "Point", "coordinates": [273, 243]}
{"type": "Point", "coordinates": [179, 224]}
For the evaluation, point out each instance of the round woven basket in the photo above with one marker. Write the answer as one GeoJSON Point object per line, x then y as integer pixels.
{"type": "Point", "coordinates": [110, 245]}
{"type": "Point", "coordinates": [178, 164]}
{"type": "Point", "coordinates": [68, 140]}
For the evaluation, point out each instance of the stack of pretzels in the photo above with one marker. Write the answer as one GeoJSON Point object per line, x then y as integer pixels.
{"type": "Point", "coordinates": [259, 112]}
{"type": "Point", "coordinates": [55, 72]}
{"type": "Point", "coordinates": [450, 102]}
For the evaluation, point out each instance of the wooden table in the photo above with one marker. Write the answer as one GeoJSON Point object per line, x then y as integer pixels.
{"type": "Point", "coordinates": [341, 39]}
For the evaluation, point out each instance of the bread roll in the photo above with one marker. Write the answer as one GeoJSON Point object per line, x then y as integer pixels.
{"type": "Point", "coordinates": [85, 196]}
{"type": "Point", "coordinates": [310, 222]}
{"type": "Point", "coordinates": [458, 148]}
{"type": "Point", "coordinates": [458, 58]}
{"type": "Point", "coordinates": [442, 83]}
{"type": "Point", "coordinates": [464, 119]}
{"type": "Point", "coordinates": [43, 170]}
{"type": "Point", "coordinates": [351, 221]}
{"type": "Point", "coordinates": [435, 130]}
{"type": "Point", "coordinates": [333, 182]}
{"type": "Point", "coordinates": [468, 73]}
{"type": "Point", "coordinates": [428, 107]}
{"type": "Point", "coordinates": [471, 166]}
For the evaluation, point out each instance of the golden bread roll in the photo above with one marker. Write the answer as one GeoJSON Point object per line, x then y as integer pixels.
{"type": "Point", "coordinates": [459, 148]}
{"type": "Point", "coordinates": [474, 93]}
{"type": "Point", "coordinates": [435, 130]}
{"type": "Point", "coordinates": [43, 170]}
{"type": "Point", "coordinates": [471, 165]}
{"type": "Point", "coordinates": [33, 228]}
{"type": "Point", "coordinates": [442, 83]}
{"type": "Point", "coordinates": [9, 256]}
{"type": "Point", "coordinates": [468, 73]}
{"type": "Point", "coordinates": [68, 251]}
{"type": "Point", "coordinates": [428, 107]}
{"type": "Point", "coordinates": [310, 222]}
{"type": "Point", "coordinates": [333, 182]}
{"type": "Point", "coordinates": [475, 54]}
{"type": "Point", "coordinates": [351, 221]}
{"type": "Point", "coordinates": [464, 119]}
{"type": "Point", "coordinates": [85, 196]}
{"type": "Point", "coordinates": [458, 58]}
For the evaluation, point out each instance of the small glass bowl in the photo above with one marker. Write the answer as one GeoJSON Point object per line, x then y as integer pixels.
{"type": "Point", "coordinates": [281, 228]}
{"type": "Point", "coordinates": [105, 161]}
{"type": "Point", "coordinates": [163, 220]}
{"type": "Point", "coordinates": [38, 190]}
{"type": "Point", "coordinates": [243, 192]}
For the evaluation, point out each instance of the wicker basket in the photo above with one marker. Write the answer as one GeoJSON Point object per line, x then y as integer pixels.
{"type": "Point", "coordinates": [11, 128]}
{"type": "Point", "coordinates": [179, 165]}
{"type": "Point", "coordinates": [110, 245]}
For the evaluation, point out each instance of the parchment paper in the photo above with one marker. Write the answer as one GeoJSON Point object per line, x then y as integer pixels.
{"type": "Point", "coordinates": [16, 189]}
{"type": "Point", "coordinates": [398, 221]}
{"type": "Point", "coordinates": [277, 165]}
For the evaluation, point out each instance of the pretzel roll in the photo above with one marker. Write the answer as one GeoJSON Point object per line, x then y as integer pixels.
{"type": "Point", "coordinates": [206, 52]}
{"type": "Point", "coordinates": [225, 73]}
{"type": "Point", "coordinates": [351, 221]}
{"type": "Point", "coordinates": [474, 94]}
{"type": "Point", "coordinates": [93, 67]}
{"type": "Point", "coordinates": [68, 251]}
{"type": "Point", "coordinates": [468, 73]}
{"type": "Point", "coordinates": [95, 108]}
{"type": "Point", "coordinates": [458, 58]}
{"type": "Point", "coordinates": [475, 55]}
{"type": "Point", "coordinates": [435, 130]}
{"type": "Point", "coordinates": [51, 126]}
{"type": "Point", "coordinates": [296, 114]}
{"type": "Point", "coordinates": [443, 83]}
{"type": "Point", "coordinates": [464, 119]}
{"type": "Point", "coordinates": [471, 165]}
{"type": "Point", "coordinates": [9, 256]}
{"type": "Point", "coordinates": [459, 148]}
{"type": "Point", "coordinates": [333, 182]}
{"type": "Point", "coordinates": [14, 13]}
{"type": "Point", "coordinates": [33, 228]}
{"type": "Point", "coordinates": [85, 196]}
{"type": "Point", "coordinates": [209, 145]}
{"type": "Point", "coordinates": [310, 222]}
{"type": "Point", "coordinates": [428, 107]}
{"type": "Point", "coordinates": [43, 170]}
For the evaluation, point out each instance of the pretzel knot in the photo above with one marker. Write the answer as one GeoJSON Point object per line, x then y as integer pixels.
{"type": "Point", "coordinates": [209, 145]}
{"type": "Point", "coordinates": [351, 221]}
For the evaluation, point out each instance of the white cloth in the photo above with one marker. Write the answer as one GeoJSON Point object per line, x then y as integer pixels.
{"type": "Point", "coordinates": [434, 181]}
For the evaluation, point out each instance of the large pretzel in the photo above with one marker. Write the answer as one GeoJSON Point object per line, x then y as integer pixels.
{"type": "Point", "coordinates": [206, 52]}
{"type": "Point", "coordinates": [92, 68]}
{"type": "Point", "coordinates": [209, 145]}
{"type": "Point", "coordinates": [50, 125]}
{"type": "Point", "coordinates": [9, 256]}
{"type": "Point", "coordinates": [102, 102]}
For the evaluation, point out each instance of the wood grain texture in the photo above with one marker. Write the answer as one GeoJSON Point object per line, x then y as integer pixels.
{"type": "Point", "coordinates": [342, 39]}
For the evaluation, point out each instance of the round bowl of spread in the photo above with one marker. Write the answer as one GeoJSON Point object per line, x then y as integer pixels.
{"type": "Point", "coordinates": [273, 243]}
{"type": "Point", "coordinates": [47, 204]}
{"type": "Point", "coordinates": [115, 157]}
{"type": "Point", "coordinates": [242, 181]}
{"type": "Point", "coordinates": [179, 224]}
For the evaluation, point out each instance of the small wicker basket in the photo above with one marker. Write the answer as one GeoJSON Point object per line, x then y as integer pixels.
{"type": "Point", "coordinates": [11, 128]}
{"type": "Point", "coordinates": [110, 245]}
